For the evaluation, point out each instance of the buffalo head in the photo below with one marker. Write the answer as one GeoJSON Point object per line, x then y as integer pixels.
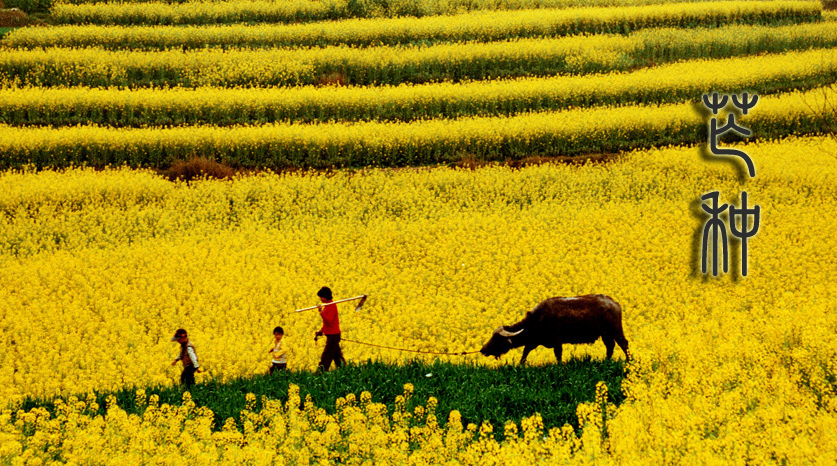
{"type": "Point", "coordinates": [500, 342]}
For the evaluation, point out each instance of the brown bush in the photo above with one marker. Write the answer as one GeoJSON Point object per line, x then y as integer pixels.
{"type": "Point", "coordinates": [470, 162]}
{"type": "Point", "coordinates": [331, 79]}
{"type": "Point", "coordinates": [12, 18]}
{"type": "Point", "coordinates": [829, 4]}
{"type": "Point", "coordinates": [198, 167]}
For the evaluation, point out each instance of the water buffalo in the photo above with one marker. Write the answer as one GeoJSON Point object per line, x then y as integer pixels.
{"type": "Point", "coordinates": [559, 320]}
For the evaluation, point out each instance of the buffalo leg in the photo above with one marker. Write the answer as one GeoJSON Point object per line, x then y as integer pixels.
{"type": "Point", "coordinates": [526, 350]}
{"type": "Point", "coordinates": [609, 345]}
{"type": "Point", "coordinates": [558, 349]}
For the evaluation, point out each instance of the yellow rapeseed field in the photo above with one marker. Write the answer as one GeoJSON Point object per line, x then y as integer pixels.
{"type": "Point", "coordinates": [223, 106]}
{"type": "Point", "coordinates": [98, 268]}
{"type": "Point", "coordinates": [361, 432]}
{"type": "Point", "coordinates": [482, 26]}
{"type": "Point", "coordinates": [220, 11]}
{"type": "Point", "coordinates": [95, 66]}
{"type": "Point", "coordinates": [567, 132]}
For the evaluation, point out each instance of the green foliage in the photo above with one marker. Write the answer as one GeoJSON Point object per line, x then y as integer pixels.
{"type": "Point", "coordinates": [479, 393]}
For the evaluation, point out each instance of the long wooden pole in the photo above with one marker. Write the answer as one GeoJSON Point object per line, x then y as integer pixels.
{"type": "Point", "coordinates": [363, 296]}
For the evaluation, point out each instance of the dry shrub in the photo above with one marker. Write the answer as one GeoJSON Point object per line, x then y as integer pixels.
{"type": "Point", "coordinates": [331, 79]}
{"type": "Point", "coordinates": [829, 4]}
{"type": "Point", "coordinates": [12, 18]}
{"type": "Point", "coordinates": [470, 162]}
{"type": "Point", "coordinates": [198, 167]}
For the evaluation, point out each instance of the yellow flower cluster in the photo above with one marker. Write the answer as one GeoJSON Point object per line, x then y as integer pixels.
{"type": "Point", "coordinates": [294, 432]}
{"type": "Point", "coordinates": [395, 143]}
{"type": "Point", "coordinates": [222, 106]}
{"type": "Point", "coordinates": [388, 64]}
{"type": "Point", "coordinates": [481, 26]}
{"type": "Point", "coordinates": [98, 268]}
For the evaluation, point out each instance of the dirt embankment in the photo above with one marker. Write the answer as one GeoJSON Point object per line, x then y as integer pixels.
{"type": "Point", "coordinates": [12, 17]}
{"type": "Point", "coordinates": [200, 167]}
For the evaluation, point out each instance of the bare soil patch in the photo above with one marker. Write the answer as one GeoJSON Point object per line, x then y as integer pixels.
{"type": "Point", "coordinates": [198, 167]}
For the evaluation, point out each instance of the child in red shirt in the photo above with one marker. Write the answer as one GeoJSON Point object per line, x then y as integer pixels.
{"type": "Point", "coordinates": [331, 330]}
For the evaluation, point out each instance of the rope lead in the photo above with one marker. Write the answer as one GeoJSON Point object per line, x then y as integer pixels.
{"type": "Point", "coordinates": [463, 353]}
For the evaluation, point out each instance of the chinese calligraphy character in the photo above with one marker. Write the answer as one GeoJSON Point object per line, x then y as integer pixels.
{"type": "Point", "coordinates": [716, 229]}
{"type": "Point", "coordinates": [716, 224]}
{"type": "Point", "coordinates": [716, 105]}
{"type": "Point", "coordinates": [743, 234]}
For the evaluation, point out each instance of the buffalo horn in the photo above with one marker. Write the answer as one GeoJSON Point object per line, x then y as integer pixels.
{"type": "Point", "coordinates": [507, 334]}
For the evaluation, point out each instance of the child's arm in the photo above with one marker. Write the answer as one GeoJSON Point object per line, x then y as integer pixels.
{"type": "Point", "coordinates": [283, 350]}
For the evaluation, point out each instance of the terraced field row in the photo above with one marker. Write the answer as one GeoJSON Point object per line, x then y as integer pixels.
{"type": "Point", "coordinates": [678, 82]}
{"type": "Point", "coordinates": [478, 26]}
{"type": "Point", "coordinates": [566, 133]}
{"type": "Point", "coordinates": [215, 11]}
{"type": "Point", "coordinates": [407, 91]}
{"type": "Point", "coordinates": [399, 64]}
